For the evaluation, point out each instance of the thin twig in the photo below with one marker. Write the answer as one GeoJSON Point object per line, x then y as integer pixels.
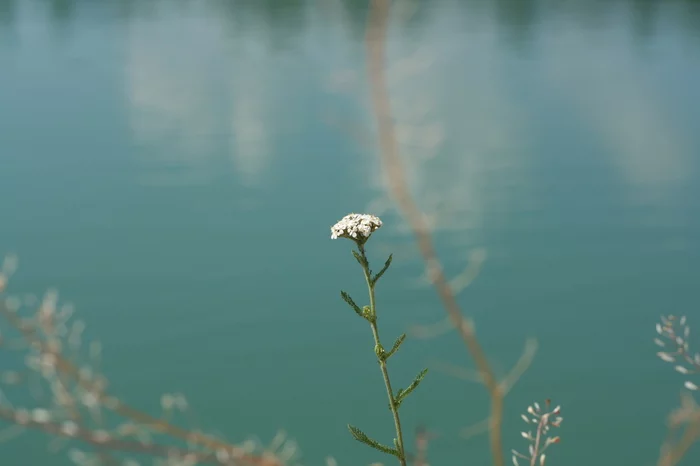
{"type": "Point", "coordinates": [87, 436]}
{"type": "Point", "coordinates": [423, 437]}
{"type": "Point", "coordinates": [687, 419]}
{"type": "Point", "coordinates": [673, 453]}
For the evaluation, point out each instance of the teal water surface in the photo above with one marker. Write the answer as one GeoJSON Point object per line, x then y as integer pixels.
{"type": "Point", "coordinates": [173, 168]}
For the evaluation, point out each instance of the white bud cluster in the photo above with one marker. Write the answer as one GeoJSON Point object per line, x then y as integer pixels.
{"type": "Point", "coordinates": [356, 227]}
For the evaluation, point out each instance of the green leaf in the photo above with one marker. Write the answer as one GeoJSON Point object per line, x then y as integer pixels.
{"type": "Point", "coordinates": [346, 297]}
{"type": "Point", "coordinates": [361, 259]}
{"type": "Point", "coordinates": [396, 346]}
{"type": "Point", "coordinates": [402, 394]}
{"type": "Point", "coordinates": [362, 437]}
{"type": "Point", "coordinates": [381, 272]}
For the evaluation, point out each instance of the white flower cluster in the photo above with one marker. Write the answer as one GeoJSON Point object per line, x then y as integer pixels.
{"type": "Point", "coordinates": [356, 226]}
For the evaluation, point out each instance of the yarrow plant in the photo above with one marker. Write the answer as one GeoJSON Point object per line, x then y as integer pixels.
{"type": "Point", "coordinates": [544, 420]}
{"type": "Point", "coordinates": [359, 228]}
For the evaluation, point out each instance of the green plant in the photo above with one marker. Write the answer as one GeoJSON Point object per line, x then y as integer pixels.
{"type": "Point", "coordinates": [359, 228]}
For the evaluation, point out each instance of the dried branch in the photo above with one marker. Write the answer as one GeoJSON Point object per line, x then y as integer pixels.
{"type": "Point", "coordinates": [99, 439]}
{"type": "Point", "coordinates": [544, 420]}
{"type": "Point", "coordinates": [686, 422]}
{"type": "Point", "coordinates": [423, 437]}
{"type": "Point", "coordinates": [376, 56]}
{"type": "Point", "coordinates": [80, 400]}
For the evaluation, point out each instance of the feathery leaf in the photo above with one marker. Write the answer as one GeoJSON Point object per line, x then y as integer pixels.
{"type": "Point", "coordinates": [362, 437]}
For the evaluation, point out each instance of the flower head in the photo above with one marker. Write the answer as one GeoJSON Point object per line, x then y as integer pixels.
{"type": "Point", "coordinates": [357, 227]}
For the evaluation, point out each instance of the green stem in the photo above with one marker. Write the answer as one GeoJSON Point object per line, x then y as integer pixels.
{"type": "Point", "coordinates": [382, 362]}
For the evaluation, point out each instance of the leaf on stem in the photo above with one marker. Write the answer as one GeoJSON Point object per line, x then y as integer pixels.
{"type": "Point", "coordinates": [362, 437]}
{"type": "Point", "coordinates": [402, 394]}
{"type": "Point", "coordinates": [395, 348]}
{"type": "Point", "coordinates": [346, 297]}
{"type": "Point", "coordinates": [360, 258]}
{"type": "Point", "coordinates": [381, 272]}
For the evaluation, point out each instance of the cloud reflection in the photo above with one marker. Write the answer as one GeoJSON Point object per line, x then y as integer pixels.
{"type": "Point", "coordinates": [252, 101]}
{"type": "Point", "coordinates": [170, 97]}
{"type": "Point", "coordinates": [193, 99]}
{"type": "Point", "coordinates": [617, 100]}
{"type": "Point", "coordinates": [460, 131]}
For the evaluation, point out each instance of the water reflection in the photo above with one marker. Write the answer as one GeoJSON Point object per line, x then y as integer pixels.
{"type": "Point", "coordinates": [520, 18]}
{"type": "Point", "coordinates": [201, 83]}
{"type": "Point", "coordinates": [195, 94]}
{"type": "Point", "coordinates": [62, 11]}
{"type": "Point", "coordinates": [171, 97]}
{"type": "Point", "coordinates": [253, 101]}
{"type": "Point", "coordinates": [283, 22]}
{"type": "Point", "coordinates": [517, 18]}
{"type": "Point", "coordinates": [459, 128]}
{"type": "Point", "coordinates": [644, 18]}
{"type": "Point", "coordinates": [613, 94]}
{"type": "Point", "coordinates": [203, 88]}
{"type": "Point", "coordinates": [8, 11]}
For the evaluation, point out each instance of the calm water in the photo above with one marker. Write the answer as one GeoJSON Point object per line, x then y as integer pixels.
{"type": "Point", "coordinates": [174, 167]}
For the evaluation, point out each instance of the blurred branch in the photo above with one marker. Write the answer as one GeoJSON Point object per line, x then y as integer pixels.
{"type": "Point", "coordinates": [476, 429]}
{"type": "Point", "coordinates": [526, 358]}
{"type": "Point", "coordinates": [398, 187]}
{"type": "Point", "coordinates": [95, 439]}
{"type": "Point", "coordinates": [423, 437]}
{"type": "Point", "coordinates": [685, 419]}
{"type": "Point", "coordinates": [75, 386]}
{"type": "Point", "coordinates": [457, 285]}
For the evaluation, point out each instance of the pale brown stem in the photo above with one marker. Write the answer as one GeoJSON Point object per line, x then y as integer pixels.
{"type": "Point", "coordinates": [673, 453]}
{"type": "Point", "coordinates": [421, 447]}
{"type": "Point", "coordinates": [398, 188]}
{"type": "Point", "coordinates": [538, 439]}
{"type": "Point", "coordinates": [86, 436]}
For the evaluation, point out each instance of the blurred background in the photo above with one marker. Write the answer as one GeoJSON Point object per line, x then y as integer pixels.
{"type": "Point", "coordinates": [173, 168]}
